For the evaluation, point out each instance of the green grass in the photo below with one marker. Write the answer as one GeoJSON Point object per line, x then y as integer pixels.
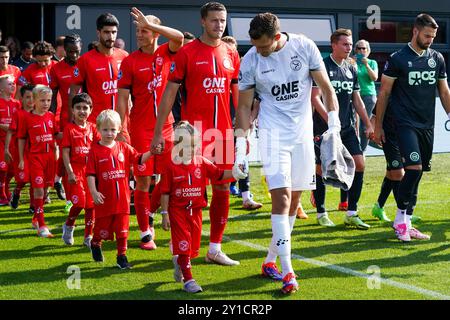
{"type": "Point", "coordinates": [35, 268]}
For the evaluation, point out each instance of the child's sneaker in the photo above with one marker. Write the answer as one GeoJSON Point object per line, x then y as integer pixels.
{"type": "Point", "coordinates": [122, 262]}
{"type": "Point", "coordinates": [270, 270]}
{"type": "Point", "coordinates": [43, 232]}
{"type": "Point", "coordinates": [402, 232]}
{"type": "Point", "coordinates": [67, 234]}
{"type": "Point", "coordinates": [220, 258]}
{"type": "Point", "coordinates": [192, 287]}
{"type": "Point", "coordinates": [356, 221]}
{"type": "Point", "coordinates": [34, 223]}
{"type": "Point", "coordinates": [177, 274]}
{"type": "Point", "coordinates": [87, 241]}
{"type": "Point", "coordinates": [147, 243]}
{"type": "Point", "coordinates": [97, 254]}
{"type": "Point", "coordinates": [67, 207]}
{"type": "Point", "coordinates": [290, 285]}
{"type": "Point", "coordinates": [416, 234]}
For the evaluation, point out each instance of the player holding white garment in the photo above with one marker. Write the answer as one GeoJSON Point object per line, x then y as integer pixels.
{"type": "Point", "coordinates": [280, 68]}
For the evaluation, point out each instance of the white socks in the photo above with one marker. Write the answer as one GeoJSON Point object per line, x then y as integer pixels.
{"type": "Point", "coordinates": [281, 238]}
{"type": "Point", "coordinates": [214, 247]}
{"type": "Point", "coordinates": [245, 195]}
{"type": "Point", "coordinates": [400, 217]}
{"type": "Point", "coordinates": [272, 254]}
{"type": "Point", "coordinates": [351, 213]}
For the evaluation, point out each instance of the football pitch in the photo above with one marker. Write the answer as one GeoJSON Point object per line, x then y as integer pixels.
{"type": "Point", "coordinates": [339, 263]}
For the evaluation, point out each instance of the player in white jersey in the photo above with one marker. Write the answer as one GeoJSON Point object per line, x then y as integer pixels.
{"type": "Point", "coordinates": [280, 68]}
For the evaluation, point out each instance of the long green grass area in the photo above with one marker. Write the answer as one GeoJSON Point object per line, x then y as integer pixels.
{"type": "Point", "coordinates": [35, 268]}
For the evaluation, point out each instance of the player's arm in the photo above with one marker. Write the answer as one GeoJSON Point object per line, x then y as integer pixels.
{"type": "Point", "coordinates": [360, 108]}
{"type": "Point", "coordinates": [96, 196]}
{"type": "Point", "coordinates": [4, 127]}
{"type": "Point", "coordinates": [21, 145]}
{"type": "Point", "coordinates": [382, 100]}
{"type": "Point", "coordinates": [244, 111]}
{"type": "Point", "coordinates": [317, 103]}
{"type": "Point", "coordinates": [122, 110]}
{"type": "Point", "coordinates": [444, 95]}
{"type": "Point", "coordinates": [164, 211]}
{"type": "Point", "coordinates": [8, 156]}
{"type": "Point", "coordinates": [235, 94]}
{"type": "Point", "coordinates": [175, 36]}
{"type": "Point", "coordinates": [66, 159]}
{"type": "Point", "coordinates": [164, 109]}
{"type": "Point", "coordinates": [145, 157]}
{"type": "Point", "coordinates": [329, 97]}
{"type": "Point", "coordinates": [74, 89]}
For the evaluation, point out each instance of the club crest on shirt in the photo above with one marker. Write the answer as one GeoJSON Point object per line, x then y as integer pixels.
{"type": "Point", "coordinates": [198, 173]}
{"type": "Point", "coordinates": [119, 75]}
{"type": "Point", "coordinates": [431, 63]}
{"type": "Point", "coordinates": [159, 61]}
{"type": "Point", "coordinates": [296, 65]}
{"type": "Point", "coordinates": [50, 123]}
{"type": "Point", "coordinates": [76, 72]}
{"type": "Point", "coordinates": [105, 175]}
{"type": "Point", "coordinates": [227, 64]}
{"type": "Point", "coordinates": [172, 67]}
{"type": "Point", "coordinates": [178, 193]}
{"type": "Point", "coordinates": [183, 245]}
{"type": "Point", "coordinates": [120, 157]}
{"type": "Point", "coordinates": [349, 74]}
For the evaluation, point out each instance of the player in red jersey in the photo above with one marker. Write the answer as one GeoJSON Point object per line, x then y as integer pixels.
{"type": "Point", "coordinates": [62, 78]}
{"type": "Point", "coordinates": [22, 177]}
{"type": "Point", "coordinates": [183, 186]}
{"type": "Point", "coordinates": [144, 74]}
{"type": "Point", "coordinates": [8, 108]}
{"type": "Point", "coordinates": [97, 70]}
{"type": "Point", "coordinates": [208, 69]}
{"type": "Point", "coordinates": [77, 139]}
{"type": "Point", "coordinates": [108, 171]}
{"type": "Point", "coordinates": [6, 68]}
{"type": "Point", "coordinates": [38, 129]}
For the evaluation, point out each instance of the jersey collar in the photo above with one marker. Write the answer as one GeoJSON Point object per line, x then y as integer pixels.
{"type": "Point", "coordinates": [420, 55]}
{"type": "Point", "coordinates": [339, 65]}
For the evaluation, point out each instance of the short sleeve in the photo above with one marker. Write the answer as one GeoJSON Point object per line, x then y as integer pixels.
{"type": "Point", "coordinates": [373, 65]}
{"type": "Point", "coordinates": [14, 121]}
{"type": "Point", "coordinates": [178, 68]}
{"type": "Point", "coordinates": [212, 171]}
{"type": "Point", "coordinates": [91, 164]}
{"type": "Point", "coordinates": [442, 68]}
{"type": "Point", "coordinates": [315, 58]}
{"type": "Point", "coordinates": [54, 84]}
{"type": "Point", "coordinates": [133, 155]}
{"type": "Point", "coordinates": [391, 69]}
{"type": "Point", "coordinates": [237, 63]}
{"type": "Point", "coordinates": [22, 129]}
{"type": "Point", "coordinates": [356, 86]}
{"type": "Point", "coordinates": [79, 73]}
{"type": "Point", "coordinates": [247, 78]}
{"type": "Point", "coordinates": [67, 137]}
{"type": "Point", "coordinates": [125, 76]}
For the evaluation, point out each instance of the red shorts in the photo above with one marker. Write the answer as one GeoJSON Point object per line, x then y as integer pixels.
{"type": "Point", "coordinates": [118, 224]}
{"type": "Point", "coordinates": [79, 193]}
{"type": "Point", "coordinates": [186, 231]}
{"type": "Point", "coordinates": [3, 165]}
{"type": "Point", "coordinates": [141, 141]}
{"type": "Point", "coordinates": [42, 169]}
{"type": "Point", "coordinates": [221, 153]}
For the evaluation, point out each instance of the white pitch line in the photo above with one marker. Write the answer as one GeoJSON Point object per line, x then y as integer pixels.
{"type": "Point", "coordinates": [348, 271]}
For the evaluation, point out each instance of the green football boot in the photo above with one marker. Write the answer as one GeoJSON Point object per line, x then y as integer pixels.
{"type": "Point", "coordinates": [379, 213]}
{"type": "Point", "coordinates": [356, 222]}
{"type": "Point", "coordinates": [325, 221]}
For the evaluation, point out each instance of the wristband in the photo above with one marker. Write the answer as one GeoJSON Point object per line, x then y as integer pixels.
{"type": "Point", "coordinates": [333, 119]}
{"type": "Point", "coordinates": [241, 146]}
{"type": "Point", "coordinates": [164, 212]}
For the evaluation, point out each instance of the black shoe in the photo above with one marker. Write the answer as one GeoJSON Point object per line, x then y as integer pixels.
{"type": "Point", "coordinates": [15, 201]}
{"type": "Point", "coordinates": [31, 210]}
{"type": "Point", "coordinates": [60, 191]}
{"type": "Point", "coordinates": [122, 262]}
{"type": "Point", "coordinates": [97, 254]}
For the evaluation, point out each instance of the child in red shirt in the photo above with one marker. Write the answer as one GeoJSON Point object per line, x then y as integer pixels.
{"type": "Point", "coordinates": [22, 177]}
{"type": "Point", "coordinates": [8, 109]}
{"type": "Point", "coordinates": [38, 127]}
{"type": "Point", "coordinates": [108, 171]}
{"type": "Point", "coordinates": [77, 139]}
{"type": "Point", "coordinates": [183, 186]}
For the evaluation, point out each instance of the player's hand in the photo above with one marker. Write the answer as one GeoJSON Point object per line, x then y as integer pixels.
{"type": "Point", "coordinates": [8, 156]}
{"type": "Point", "coordinates": [98, 198]}
{"type": "Point", "coordinates": [121, 136]}
{"type": "Point", "coordinates": [157, 145]}
{"type": "Point", "coordinates": [240, 168]}
{"type": "Point", "coordinates": [21, 165]}
{"type": "Point", "coordinates": [71, 177]}
{"type": "Point", "coordinates": [165, 222]}
{"type": "Point", "coordinates": [379, 137]}
{"type": "Point", "coordinates": [369, 132]}
{"type": "Point", "coordinates": [139, 17]}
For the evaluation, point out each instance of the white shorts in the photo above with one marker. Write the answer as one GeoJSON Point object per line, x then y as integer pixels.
{"type": "Point", "coordinates": [288, 166]}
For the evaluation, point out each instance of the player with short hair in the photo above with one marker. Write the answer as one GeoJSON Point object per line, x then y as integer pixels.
{"type": "Point", "coordinates": [108, 170]}
{"type": "Point", "coordinates": [77, 139]}
{"type": "Point", "coordinates": [182, 199]}
{"type": "Point", "coordinates": [344, 78]}
{"type": "Point", "coordinates": [98, 69]}
{"type": "Point", "coordinates": [208, 70]}
{"type": "Point", "coordinates": [26, 57]}
{"type": "Point", "coordinates": [143, 76]}
{"type": "Point", "coordinates": [409, 83]}
{"type": "Point", "coordinates": [8, 109]}
{"type": "Point", "coordinates": [280, 68]}
{"type": "Point", "coordinates": [38, 129]}
{"type": "Point", "coordinates": [60, 52]}
{"type": "Point", "coordinates": [6, 68]}
{"type": "Point", "coordinates": [21, 176]}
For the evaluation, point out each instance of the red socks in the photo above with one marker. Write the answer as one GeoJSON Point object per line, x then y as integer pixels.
{"type": "Point", "coordinates": [121, 246]}
{"type": "Point", "coordinates": [185, 265]}
{"type": "Point", "coordinates": [73, 215]}
{"type": "Point", "coordinates": [2, 185]}
{"type": "Point", "coordinates": [142, 205]}
{"type": "Point", "coordinates": [39, 212]}
{"type": "Point", "coordinates": [155, 201]}
{"type": "Point", "coordinates": [218, 214]}
{"type": "Point", "coordinates": [88, 222]}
